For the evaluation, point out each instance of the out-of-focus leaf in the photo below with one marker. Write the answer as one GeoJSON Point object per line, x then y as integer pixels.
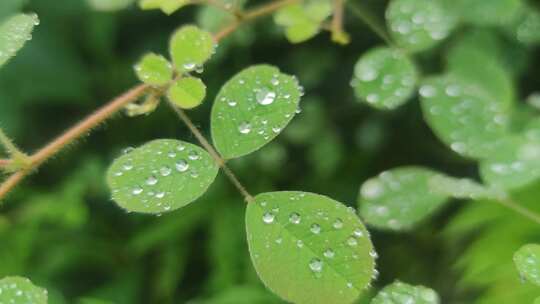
{"type": "Point", "coordinates": [401, 293]}
{"type": "Point", "coordinates": [527, 260]}
{"type": "Point", "coordinates": [191, 47]}
{"type": "Point", "coordinates": [486, 13]}
{"type": "Point", "coordinates": [18, 290]}
{"type": "Point", "coordinates": [154, 70]}
{"type": "Point", "coordinates": [14, 32]}
{"type": "Point", "coordinates": [303, 21]}
{"type": "Point", "coordinates": [109, 5]}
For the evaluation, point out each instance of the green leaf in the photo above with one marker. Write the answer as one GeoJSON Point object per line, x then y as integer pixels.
{"type": "Point", "coordinates": [109, 5]}
{"type": "Point", "coordinates": [14, 32]}
{"type": "Point", "coordinates": [492, 12]}
{"type": "Point", "coordinates": [160, 176]}
{"type": "Point", "coordinates": [303, 21]}
{"type": "Point", "coordinates": [92, 301]}
{"type": "Point", "coordinates": [19, 290]}
{"type": "Point", "coordinates": [463, 116]}
{"type": "Point", "coordinates": [527, 260]}
{"type": "Point", "coordinates": [308, 248]}
{"type": "Point", "coordinates": [167, 6]}
{"type": "Point", "coordinates": [252, 108]}
{"type": "Point", "coordinates": [384, 78]}
{"type": "Point", "coordinates": [154, 70]}
{"type": "Point", "coordinates": [401, 293]}
{"type": "Point", "coordinates": [418, 25]}
{"type": "Point", "coordinates": [515, 162]}
{"type": "Point", "coordinates": [399, 198]}
{"type": "Point", "coordinates": [191, 47]}
{"type": "Point", "coordinates": [527, 28]}
{"type": "Point", "coordinates": [187, 92]}
{"type": "Point", "coordinates": [462, 188]}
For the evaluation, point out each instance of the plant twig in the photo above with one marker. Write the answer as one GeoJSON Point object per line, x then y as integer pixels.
{"type": "Point", "coordinates": [370, 21]}
{"type": "Point", "coordinates": [10, 147]}
{"type": "Point", "coordinates": [215, 155]}
{"type": "Point", "coordinates": [336, 27]}
{"type": "Point", "coordinates": [266, 9]}
{"type": "Point", "coordinates": [510, 204]}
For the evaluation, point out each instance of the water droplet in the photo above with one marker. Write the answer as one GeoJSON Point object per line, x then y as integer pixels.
{"type": "Point", "coordinates": [265, 97]}
{"type": "Point", "coordinates": [338, 224]}
{"type": "Point", "coordinates": [152, 180]}
{"type": "Point", "coordinates": [329, 253]}
{"type": "Point", "coordinates": [165, 171]}
{"type": "Point", "coordinates": [127, 166]}
{"type": "Point", "coordinates": [244, 128]}
{"type": "Point", "coordinates": [232, 102]}
{"type": "Point", "coordinates": [299, 243]}
{"type": "Point", "coordinates": [372, 189]}
{"type": "Point", "coordinates": [351, 241]}
{"type": "Point", "coordinates": [182, 166]}
{"type": "Point", "coordinates": [193, 155]}
{"type": "Point", "coordinates": [358, 232]}
{"type": "Point", "coordinates": [276, 129]}
{"type": "Point", "coordinates": [171, 154]}
{"type": "Point", "coordinates": [316, 265]}
{"type": "Point", "coordinates": [427, 91]}
{"type": "Point", "coordinates": [137, 190]}
{"type": "Point", "coordinates": [268, 218]}
{"type": "Point", "coordinates": [160, 194]}
{"type": "Point", "coordinates": [315, 228]}
{"type": "Point", "coordinates": [127, 150]}
{"type": "Point", "coordinates": [295, 218]}
{"type": "Point", "coordinates": [189, 66]}
{"type": "Point", "coordinates": [181, 147]}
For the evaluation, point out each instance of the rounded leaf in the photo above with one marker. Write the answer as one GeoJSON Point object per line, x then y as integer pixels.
{"type": "Point", "coordinates": [400, 198]}
{"type": "Point", "coordinates": [14, 33]}
{"type": "Point", "coordinates": [463, 116]}
{"type": "Point", "coordinates": [252, 108]}
{"type": "Point", "coordinates": [384, 78]}
{"type": "Point", "coordinates": [527, 260]}
{"type": "Point", "coordinates": [417, 25]}
{"type": "Point", "coordinates": [154, 70]}
{"type": "Point", "coordinates": [401, 293]}
{"type": "Point", "coordinates": [160, 176]}
{"type": "Point", "coordinates": [308, 248]}
{"type": "Point", "coordinates": [462, 188]}
{"type": "Point", "coordinates": [18, 290]}
{"type": "Point", "coordinates": [187, 92]}
{"type": "Point", "coordinates": [191, 47]}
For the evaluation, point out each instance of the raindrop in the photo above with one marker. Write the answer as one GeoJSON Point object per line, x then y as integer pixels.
{"type": "Point", "coordinates": [165, 171]}
{"type": "Point", "coordinates": [244, 128]}
{"type": "Point", "coordinates": [427, 91]}
{"type": "Point", "coordinates": [265, 97]}
{"type": "Point", "coordinates": [189, 66]}
{"type": "Point", "coordinates": [182, 166]}
{"type": "Point", "coordinates": [127, 166]}
{"type": "Point", "coordinates": [152, 180]}
{"type": "Point", "coordinates": [295, 218]}
{"type": "Point", "coordinates": [315, 228]}
{"type": "Point", "coordinates": [329, 253]}
{"type": "Point", "coordinates": [193, 155]}
{"type": "Point", "coordinates": [137, 190]}
{"type": "Point", "coordinates": [358, 232]}
{"type": "Point", "coordinates": [338, 224]}
{"type": "Point", "coordinates": [316, 265]}
{"type": "Point", "coordinates": [352, 241]}
{"type": "Point", "coordinates": [268, 218]}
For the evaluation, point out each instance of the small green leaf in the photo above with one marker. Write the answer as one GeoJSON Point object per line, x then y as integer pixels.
{"type": "Point", "coordinates": [191, 47]}
{"type": "Point", "coordinates": [527, 260]}
{"type": "Point", "coordinates": [462, 188]}
{"type": "Point", "coordinates": [515, 162]}
{"type": "Point", "coordinates": [303, 21]}
{"type": "Point", "coordinates": [527, 29]}
{"type": "Point", "coordinates": [14, 32]}
{"type": "Point", "coordinates": [401, 293]}
{"type": "Point", "coordinates": [160, 176]}
{"type": "Point", "coordinates": [154, 70]}
{"type": "Point", "coordinates": [187, 92]}
{"type": "Point", "coordinates": [18, 290]}
{"type": "Point", "coordinates": [384, 78]}
{"type": "Point", "coordinates": [399, 199]}
{"type": "Point", "coordinates": [463, 116]}
{"type": "Point", "coordinates": [109, 5]}
{"type": "Point", "coordinates": [417, 25]}
{"type": "Point", "coordinates": [308, 248]}
{"type": "Point", "coordinates": [167, 6]}
{"type": "Point", "coordinates": [252, 108]}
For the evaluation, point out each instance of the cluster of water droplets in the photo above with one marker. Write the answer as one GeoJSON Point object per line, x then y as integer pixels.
{"type": "Point", "coordinates": [406, 294]}
{"type": "Point", "coordinates": [418, 23]}
{"type": "Point", "coordinates": [21, 290]}
{"type": "Point", "coordinates": [15, 32]}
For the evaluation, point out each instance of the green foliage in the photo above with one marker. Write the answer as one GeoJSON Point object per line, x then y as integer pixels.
{"type": "Point", "coordinates": [495, 12]}
{"type": "Point", "coordinates": [400, 293]}
{"type": "Point", "coordinates": [167, 6]}
{"type": "Point", "coordinates": [109, 5]}
{"type": "Point", "coordinates": [18, 290]}
{"type": "Point", "coordinates": [384, 78]}
{"type": "Point", "coordinates": [302, 21]}
{"type": "Point", "coordinates": [154, 70]}
{"type": "Point", "coordinates": [14, 33]}
{"type": "Point", "coordinates": [187, 92]}
{"type": "Point", "coordinates": [417, 25]}
{"type": "Point", "coordinates": [190, 48]}
{"type": "Point", "coordinates": [527, 260]}
{"type": "Point", "coordinates": [252, 108]}
{"type": "Point", "coordinates": [161, 176]}
{"type": "Point", "coordinates": [308, 248]}
{"type": "Point", "coordinates": [399, 198]}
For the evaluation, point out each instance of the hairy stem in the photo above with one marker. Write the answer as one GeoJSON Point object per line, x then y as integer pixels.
{"type": "Point", "coordinates": [336, 26]}
{"type": "Point", "coordinates": [510, 204]}
{"type": "Point", "coordinates": [370, 21]}
{"type": "Point", "coordinates": [10, 147]}
{"type": "Point", "coordinates": [215, 155]}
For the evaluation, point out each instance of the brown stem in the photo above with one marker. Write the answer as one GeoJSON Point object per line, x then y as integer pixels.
{"type": "Point", "coordinates": [338, 34]}
{"type": "Point", "coordinates": [4, 162]}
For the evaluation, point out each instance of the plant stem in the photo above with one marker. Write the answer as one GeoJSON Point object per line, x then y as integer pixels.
{"type": "Point", "coordinates": [215, 155]}
{"type": "Point", "coordinates": [336, 26]}
{"type": "Point", "coordinates": [266, 9]}
{"type": "Point", "coordinates": [370, 21]}
{"type": "Point", "coordinates": [510, 204]}
{"type": "Point", "coordinates": [10, 147]}
{"type": "Point", "coordinates": [4, 162]}
{"type": "Point", "coordinates": [72, 134]}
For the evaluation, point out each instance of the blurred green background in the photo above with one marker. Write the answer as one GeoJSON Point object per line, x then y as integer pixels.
{"type": "Point", "coordinates": [61, 229]}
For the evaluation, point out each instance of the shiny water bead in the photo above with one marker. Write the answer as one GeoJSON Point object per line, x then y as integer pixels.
{"type": "Point", "coordinates": [403, 293]}
{"type": "Point", "coordinates": [316, 265]}
{"type": "Point", "coordinates": [417, 25]}
{"type": "Point", "coordinates": [384, 78]}
{"type": "Point", "coordinates": [295, 218]}
{"type": "Point", "coordinates": [157, 170]}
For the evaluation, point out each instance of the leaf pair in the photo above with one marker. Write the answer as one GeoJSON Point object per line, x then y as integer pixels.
{"type": "Point", "coordinates": [303, 21]}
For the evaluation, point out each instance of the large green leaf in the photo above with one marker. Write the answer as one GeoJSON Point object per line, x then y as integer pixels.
{"type": "Point", "coordinates": [252, 108]}
{"type": "Point", "coordinates": [527, 260]}
{"type": "Point", "coordinates": [384, 78]}
{"type": "Point", "coordinates": [399, 198]}
{"type": "Point", "coordinates": [463, 116]}
{"type": "Point", "coordinates": [417, 25]}
{"type": "Point", "coordinates": [308, 248]}
{"type": "Point", "coordinates": [14, 32]}
{"type": "Point", "coordinates": [160, 176]}
{"type": "Point", "coordinates": [18, 290]}
{"type": "Point", "coordinates": [190, 47]}
{"type": "Point", "coordinates": [402, 293]}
